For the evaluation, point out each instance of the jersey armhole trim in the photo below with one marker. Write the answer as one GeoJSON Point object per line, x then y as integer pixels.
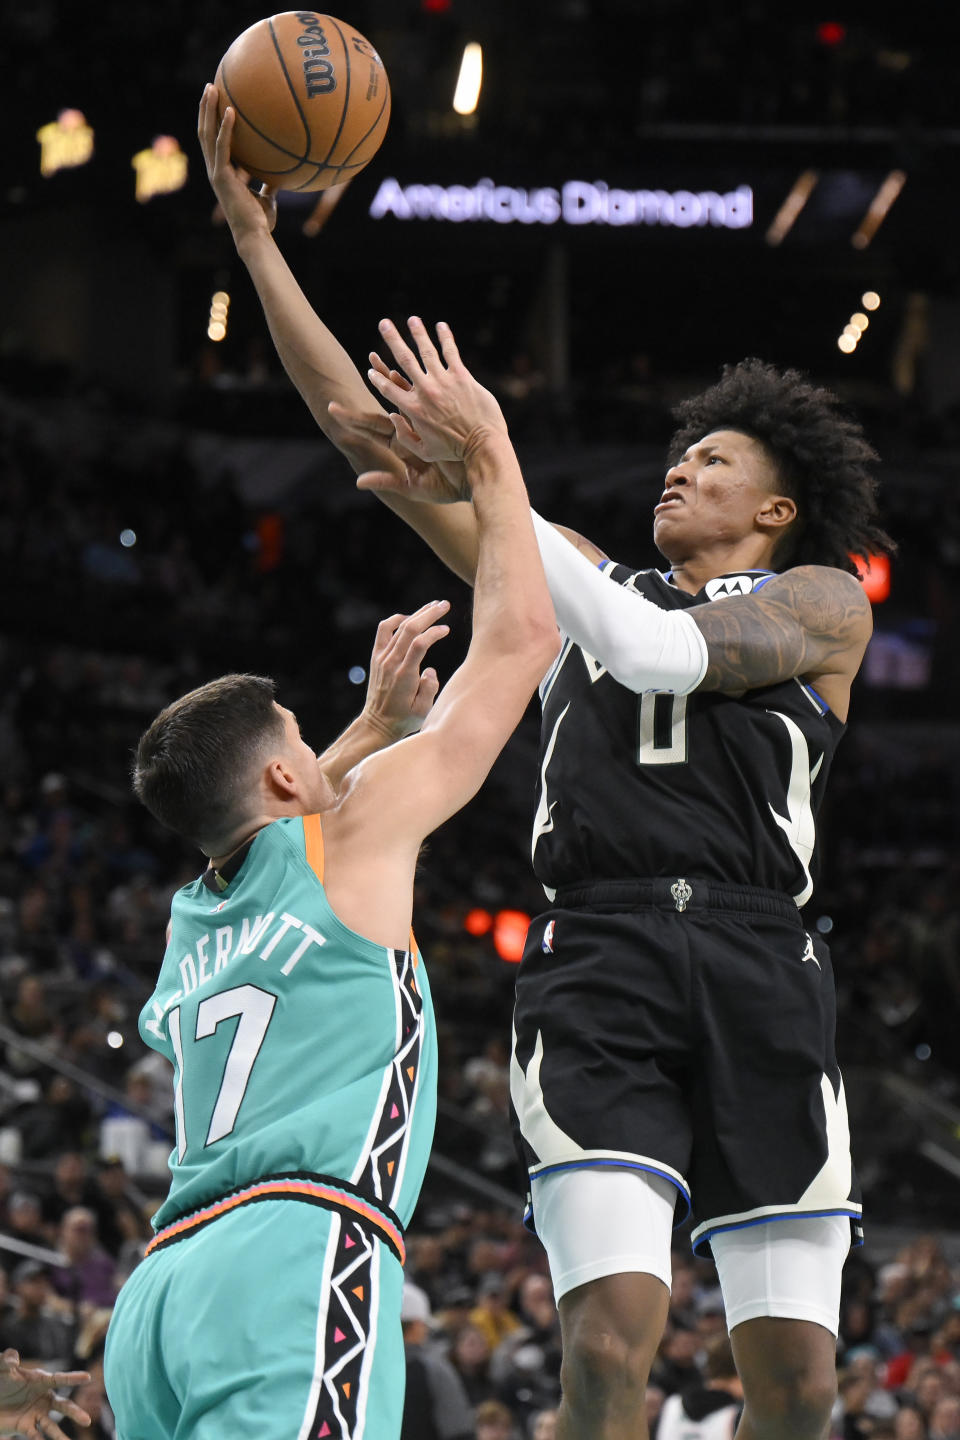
{"type": "Point", "coordinates": [313, 842]}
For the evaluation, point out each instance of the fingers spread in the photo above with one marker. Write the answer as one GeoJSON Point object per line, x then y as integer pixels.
{"type": "Point", "coordinates": [74, 1411]}
{"type": "Point", "coordinates": [447, 343]}
{"type": "Point", "coordinates": [399, 348]}
{"type": "Point", "coordinates": [425, 346]}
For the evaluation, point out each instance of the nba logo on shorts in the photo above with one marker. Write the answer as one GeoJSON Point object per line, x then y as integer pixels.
{"type": "Point", "coordinates": [546, 944]}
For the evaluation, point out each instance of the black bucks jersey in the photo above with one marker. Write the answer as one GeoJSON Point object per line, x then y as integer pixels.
{"type": "Point", "coordinates": [726, 789]}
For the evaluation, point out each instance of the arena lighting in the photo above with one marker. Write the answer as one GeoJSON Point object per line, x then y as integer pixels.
{"type": "Point", "coordinates": [847, 344]}
{"type": "Point", "coordinates": [510, 934]}
{"type": "Point", "coordinates": [878, 209]}
{"type": "Point", "coordinates": [467, 93]}
{"type": "Point", "coordinates": [217, 320]}
{"type": "Point", "coordinates": [870, 300]}
{"type": "Point", "coordinates": [65, 142]}
{"type": "Point", "coordinates": [785, 218]}
{"type": "Point", "coordinates": [875, 574]}
{"type": "Point", "coordinates": [576, 202]}
{"type": "Point", "coordinates": [160, 170]}
{"type": "Point", "coordinates": [859, 321]}
{"type": "Point", "coordinates": [478, 922]}
{"type": "Point", "coordinates": [831, 33]}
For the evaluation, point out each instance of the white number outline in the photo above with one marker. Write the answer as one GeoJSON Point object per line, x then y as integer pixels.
{"type": "Point", "coordinates": [254, 1007]}
{"type": "Point", "coordinates": [648, 752]}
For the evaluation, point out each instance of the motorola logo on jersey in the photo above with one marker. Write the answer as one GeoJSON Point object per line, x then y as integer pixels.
{"type": "Point", "coordinates": [729, 585]}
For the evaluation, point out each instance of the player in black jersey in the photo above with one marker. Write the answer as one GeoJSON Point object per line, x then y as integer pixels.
{"type": "Point", "coordinates": [674, 1018]}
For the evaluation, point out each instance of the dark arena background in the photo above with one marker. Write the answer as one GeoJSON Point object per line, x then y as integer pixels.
{"type": "Point", "coordinates": [643, 192]}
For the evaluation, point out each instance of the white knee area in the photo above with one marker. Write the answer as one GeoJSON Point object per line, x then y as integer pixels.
{"type": "Point", "coordinates": [789, 1269]}
{"type": "Point", "coordinates": [597, 1221]}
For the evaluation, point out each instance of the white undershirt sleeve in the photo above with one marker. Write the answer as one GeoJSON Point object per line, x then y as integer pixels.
{"type": "Point", "coordinates": [642, 646]}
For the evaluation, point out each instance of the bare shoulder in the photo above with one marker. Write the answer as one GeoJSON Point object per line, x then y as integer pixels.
{"type": "Point", "coordinates": [826, 601]}
{"type": "Point", "coordinates": [581, 543]}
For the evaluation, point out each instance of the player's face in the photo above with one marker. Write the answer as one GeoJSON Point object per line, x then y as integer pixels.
{"type": "Point", "coordinates": [713, 495]}
{"type": "Point", "coordinates": [313, 786]}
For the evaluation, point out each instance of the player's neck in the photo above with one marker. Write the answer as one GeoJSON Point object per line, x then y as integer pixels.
{"type": "Point", "coordinates": [217, 862]}
{"type": "Point", "coordinates": [691, 572]}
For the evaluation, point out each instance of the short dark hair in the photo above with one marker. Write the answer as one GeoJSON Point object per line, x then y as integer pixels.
{"type": "Point", "coordinates": [192, 766]}
{"type": "Point", "coordinates": [821, 454]}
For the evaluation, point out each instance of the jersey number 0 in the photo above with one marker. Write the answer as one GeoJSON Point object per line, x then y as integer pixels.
{"type": "Point", "coordinates": [661, 729]}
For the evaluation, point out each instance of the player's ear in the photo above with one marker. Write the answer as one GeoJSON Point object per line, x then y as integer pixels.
{"type": "Point", "coordinates": [279, 778]}
{"type": "Point", "coordinates": [776, 513]}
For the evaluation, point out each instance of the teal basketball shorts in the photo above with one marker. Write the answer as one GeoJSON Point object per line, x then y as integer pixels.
{"type": "Point", "coordinates": [277, 1320]}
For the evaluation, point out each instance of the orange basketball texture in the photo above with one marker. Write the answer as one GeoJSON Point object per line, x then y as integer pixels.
{"type": "Point", "coordinates": [312, 100]}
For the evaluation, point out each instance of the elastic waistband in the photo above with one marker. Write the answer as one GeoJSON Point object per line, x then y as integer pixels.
{"type": "Point", "coordinates": [323, 1190]}
{"type": "Point", "coordinates": [678, 893]}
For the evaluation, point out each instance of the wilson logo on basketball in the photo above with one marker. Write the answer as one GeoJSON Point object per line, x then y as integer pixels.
{"type": "Point", "coordinates": [318, 72]}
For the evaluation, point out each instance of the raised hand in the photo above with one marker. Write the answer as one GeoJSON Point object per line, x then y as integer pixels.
{"type": "Point", "coordinates": [28, 1396]}
{"type": "Point", "coordinates": [420, 479]}
{"type": "Point", "coordinates": [244, 211]}
{"type": "Point", "coordinates": [399, 697]}
{"type": "Point", "coordinates": [444, 411]}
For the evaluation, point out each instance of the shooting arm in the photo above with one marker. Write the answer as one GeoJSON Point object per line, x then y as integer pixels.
{"type": "Point", "coordinates": [323, 372]}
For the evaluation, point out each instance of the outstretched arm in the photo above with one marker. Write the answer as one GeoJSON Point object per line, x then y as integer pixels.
{"type": "Point", "coordinates": [448, 416]}
{"type": "Point", "coordinates": [314, 359]}
{"type": "Point", "coordinates": [399, 698]}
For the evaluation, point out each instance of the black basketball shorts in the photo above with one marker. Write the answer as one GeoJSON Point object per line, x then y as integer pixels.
{"type": "Point", "coordinates": [685, 1029]}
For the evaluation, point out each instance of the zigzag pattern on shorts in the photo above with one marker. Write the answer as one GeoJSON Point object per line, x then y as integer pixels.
{"type": "Point", "coordinates": [347, 1336]}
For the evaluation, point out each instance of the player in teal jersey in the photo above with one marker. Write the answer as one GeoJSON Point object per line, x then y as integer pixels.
{"type": "Point", "coordinates": [762, 466]}
{"type": "Point", "coordinates": [295, 1009]}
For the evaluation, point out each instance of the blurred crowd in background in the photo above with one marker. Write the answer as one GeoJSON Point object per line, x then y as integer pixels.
{"type": "Point", "coordinates": [174, 518]}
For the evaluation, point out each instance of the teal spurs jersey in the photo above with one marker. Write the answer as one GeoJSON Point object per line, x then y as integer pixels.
{"type": "Point", "coordinates": [297, 1045]}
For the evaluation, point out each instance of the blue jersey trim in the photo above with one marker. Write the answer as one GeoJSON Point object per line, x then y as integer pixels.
{"type": "Point", "coordinates": [853, 1215]}
{"type": "Point", "coordinates": [611, 1165]}
{"type": "Point", "coordinates": [810, 691]}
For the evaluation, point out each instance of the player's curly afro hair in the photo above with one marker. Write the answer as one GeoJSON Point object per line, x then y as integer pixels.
{"type": "Point", "coordinates": [822, 457]}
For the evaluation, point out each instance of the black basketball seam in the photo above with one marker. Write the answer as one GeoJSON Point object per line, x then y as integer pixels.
{"type": "Point", "coordinates": [262, 133]}
{"type": "Point", "coordinates": [346, 97]}
{"type": "Point", "coordinates": [296, 99]}
{"type": "Point", "coordinates": [335, 169]}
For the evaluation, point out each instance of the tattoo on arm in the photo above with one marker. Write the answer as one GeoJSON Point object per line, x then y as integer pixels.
{"type": "Point", "coordinates": [813, 620]}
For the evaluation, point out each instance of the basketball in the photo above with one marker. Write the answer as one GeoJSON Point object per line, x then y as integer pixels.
{"type": "Point", "coordinates": [312, 100]}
